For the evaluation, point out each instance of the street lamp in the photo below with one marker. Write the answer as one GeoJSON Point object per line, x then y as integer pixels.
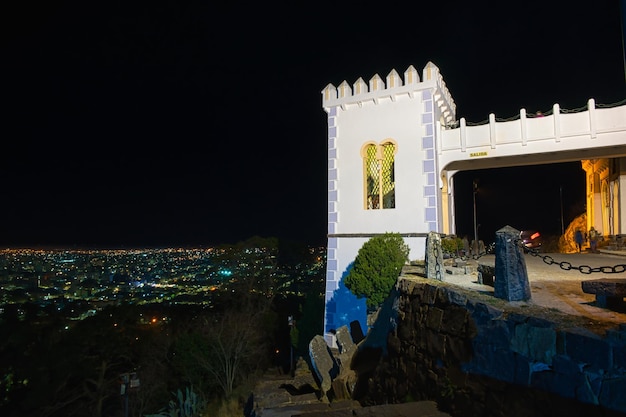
{"type": "Point", "coordinates": [292, 325]}
{"type": "Point", "coordinates": [561, 200]}
{"type": "Point", "coordinates": [129, 381]}
{"type": "Point", "coordinates": [474, 191]}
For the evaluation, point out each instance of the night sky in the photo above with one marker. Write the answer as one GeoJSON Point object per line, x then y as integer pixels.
{"type": "Point", "coordinates": [545, 198]}
{"type": "Point", "coordinates": [162, 123]}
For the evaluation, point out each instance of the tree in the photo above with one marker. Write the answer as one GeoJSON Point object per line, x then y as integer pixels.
{"type": "Point", "coordinates": [224, 348]}
{"type": "Point", "coordinates": [225, 345]}
{"type": "Point", "coordinates": [311, 321]}
{"type": "Point", "coordinates": [377, 267]}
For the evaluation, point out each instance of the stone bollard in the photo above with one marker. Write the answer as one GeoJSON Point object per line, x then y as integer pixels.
{"type": "Point", "coordinates": [434, 257]}
{"type": "Point", "coordinates": [355, 331]}
{"type": "Point", "coordinates": [323, 363]}
{"type": "Point", "coordinates": [511, 282]}
{"type": "Point", "coordinates": [344, 341]}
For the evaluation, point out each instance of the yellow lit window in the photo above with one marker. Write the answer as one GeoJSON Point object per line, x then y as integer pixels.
{"type": "Point", "coordinates": [378, 162]}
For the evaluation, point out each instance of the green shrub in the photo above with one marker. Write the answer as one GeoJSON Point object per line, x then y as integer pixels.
{"type": "Point", "coordinates": [377, 268]}
{"type": "Point", "coordinates": [188, 405]}
{"type": "Point", "coordinates": [451, 244]}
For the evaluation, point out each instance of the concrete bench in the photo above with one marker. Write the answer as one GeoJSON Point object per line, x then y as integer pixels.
{"type": "Point", "coordinates": [610, 292]}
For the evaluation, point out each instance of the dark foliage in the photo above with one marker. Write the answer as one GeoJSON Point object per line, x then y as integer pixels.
{"type": "Point", "coordinates": [377, 267]}
{"type": "Point", "coordinates": [54, 365]}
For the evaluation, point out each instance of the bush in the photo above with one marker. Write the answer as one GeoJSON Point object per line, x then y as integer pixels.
{"type": "Point", "coordinates": [377, 268]}
{"type": "Point", "coordinates": [452, 245]}
{"type": "Point", "coordinates": [185, 405]}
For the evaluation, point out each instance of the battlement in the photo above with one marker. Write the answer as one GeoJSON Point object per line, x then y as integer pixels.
{"type": "Point", "coordinates": [378, 90]}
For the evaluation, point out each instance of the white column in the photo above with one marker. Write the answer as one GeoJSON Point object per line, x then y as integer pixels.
{"type": "Point", "coordinates": [620, 211]}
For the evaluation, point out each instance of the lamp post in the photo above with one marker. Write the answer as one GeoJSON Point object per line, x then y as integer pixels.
{"type": "Point", "coordinates": [292, 324]}
{"type": "Point", "coordinates": [129, 381]}
{"type": "Point", "coordinates": [474, 191]}
{"type": "Point", "coordinates": [561, 201]}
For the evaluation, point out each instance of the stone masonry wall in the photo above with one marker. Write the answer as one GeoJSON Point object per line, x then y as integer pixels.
{"type": "Point", "coordinates": [476, 356]}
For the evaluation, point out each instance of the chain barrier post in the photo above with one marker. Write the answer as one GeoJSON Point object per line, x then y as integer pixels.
{"type": "Point", "coordinates": [434, 257]}
{"type": "Point", "coordinates": [511, 282]}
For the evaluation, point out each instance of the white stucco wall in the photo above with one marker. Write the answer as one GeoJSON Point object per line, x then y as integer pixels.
{"type": "Point", "coordinates": [377, 122]}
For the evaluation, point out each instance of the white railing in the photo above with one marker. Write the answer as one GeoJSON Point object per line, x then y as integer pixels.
{"type": "Point", "coordinates": [553, 128]}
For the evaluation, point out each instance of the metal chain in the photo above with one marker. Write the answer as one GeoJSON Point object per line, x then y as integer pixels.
{"type": "Point", "coordinates": [567, 266]}
{"type": "Point", "coordinates": [437, 264]}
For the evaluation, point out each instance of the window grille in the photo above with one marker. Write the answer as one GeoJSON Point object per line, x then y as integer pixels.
{"type": "Point", "coordinates": [380, 176]}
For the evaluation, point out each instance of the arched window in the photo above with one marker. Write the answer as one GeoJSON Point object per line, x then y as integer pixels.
{"type": "Point", "coordinates": [379, 175]}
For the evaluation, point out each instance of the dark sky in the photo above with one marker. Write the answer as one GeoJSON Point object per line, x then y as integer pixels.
{"type": "Point", "coordinates": [164, 123]}
{"type": "Point", "coordinates": [541, 197]}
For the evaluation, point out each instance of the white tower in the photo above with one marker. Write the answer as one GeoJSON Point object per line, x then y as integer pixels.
{"type": "Point", "coordinates": [382, 173]}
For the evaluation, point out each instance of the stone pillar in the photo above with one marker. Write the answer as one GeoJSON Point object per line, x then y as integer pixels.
{"type": "Point", "coordinates": [511, 281]}
{"type": "Point", "coordinates": [356, 331]}
{"type": "Point", "coordinates": [346, 348]}
{"type": "Point", "coordinates": [434, 257]}
{"type": "Point", "coordinates": [344, 341]}
{"type": "Point", "coordinates": [323, 363]}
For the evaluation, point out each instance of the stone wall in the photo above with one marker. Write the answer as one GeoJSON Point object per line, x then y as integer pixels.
{"type": "Point", "coordinates": [480, 356]}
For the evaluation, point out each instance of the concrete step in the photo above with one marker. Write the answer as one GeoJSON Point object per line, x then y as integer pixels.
{"type": "Point", "coordinates": [349, 408]}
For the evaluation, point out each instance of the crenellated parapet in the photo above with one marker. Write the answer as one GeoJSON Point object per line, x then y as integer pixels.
{"type": "Point", "coordinates": [390, 89]}
{"type": "Point", "coordinates": [443, 98]}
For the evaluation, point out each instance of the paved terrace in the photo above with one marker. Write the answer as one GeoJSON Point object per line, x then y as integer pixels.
{"type": "Point", "coordinates": [556, 288]}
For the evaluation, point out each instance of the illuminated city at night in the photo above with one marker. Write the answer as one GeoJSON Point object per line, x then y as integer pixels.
{"type": "Point", "coordinates": [260, 210]}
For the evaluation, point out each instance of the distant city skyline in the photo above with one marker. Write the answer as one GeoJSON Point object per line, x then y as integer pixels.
{"type": "Point", "coordinates": [99, 278]}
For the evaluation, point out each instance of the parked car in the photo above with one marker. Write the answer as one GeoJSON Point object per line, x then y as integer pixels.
{"type": "Point", "coordinates": [531, 239]}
